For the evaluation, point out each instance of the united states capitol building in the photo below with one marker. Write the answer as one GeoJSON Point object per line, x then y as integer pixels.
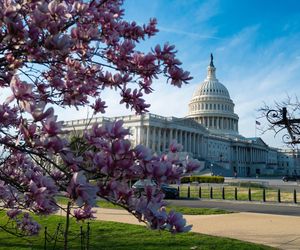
{"type": "Point", "coordinates": [208, 133]}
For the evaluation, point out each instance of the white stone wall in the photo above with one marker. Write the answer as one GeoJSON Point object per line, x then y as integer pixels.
{"type": "Point", "coordinates": [246, 157]}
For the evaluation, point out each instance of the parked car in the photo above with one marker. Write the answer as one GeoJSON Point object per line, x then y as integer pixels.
{"type": "Point", "coordinates": [169, 191]}
{"type": "Point", "coordinates": [287, 178]}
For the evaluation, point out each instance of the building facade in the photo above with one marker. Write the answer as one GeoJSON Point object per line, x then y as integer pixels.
{"type": "Point", "coordinates": [208, 133]}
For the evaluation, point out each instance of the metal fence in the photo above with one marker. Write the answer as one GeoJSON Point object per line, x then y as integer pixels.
{"type": "Point", "coordinates": [53, 240]}
{"type": "Point", "coordinates": [238, 193]}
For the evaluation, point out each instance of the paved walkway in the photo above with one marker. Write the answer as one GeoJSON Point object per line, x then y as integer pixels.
{"type": "Point", "coordinates": [278, 231]}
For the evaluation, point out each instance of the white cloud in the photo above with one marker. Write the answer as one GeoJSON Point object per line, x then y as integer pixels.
{"type": "Point", "coordinates": [207, 10]}
{"type": "Point", "coordinates": [193, 35]}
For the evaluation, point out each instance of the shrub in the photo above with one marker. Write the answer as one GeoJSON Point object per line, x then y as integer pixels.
{"type": "Point", "coordinates": [202, 179]}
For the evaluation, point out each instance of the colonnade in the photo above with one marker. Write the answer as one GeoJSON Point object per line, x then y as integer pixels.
{"type": "Point", "coordinates": [219, 123]}
{"type": "Point", "coordinates": [251, 155]}
{"type": "Point", "coordinates": [159, 139]}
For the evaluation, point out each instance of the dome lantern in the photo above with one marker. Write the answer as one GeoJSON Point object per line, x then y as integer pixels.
{"type": "Point", "coordinates": [211, 70]}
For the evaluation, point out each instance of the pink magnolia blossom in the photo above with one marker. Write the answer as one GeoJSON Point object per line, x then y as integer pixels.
{"type": "Point", "coordinates": [176, 223]}
{"type": "Point", "coordinates": [81, 191]}
{"type": "Point", "coordinates": [175, 147]}
{"type": "Point", "coordinates": [178, 76]}
{"type": "Point", "coordinates": [85, 213]}
{"type": "Point", "coordinates": [28, 225]}
{"type": "Point", "coordinates": [13, 213]}
{"type": "Point", "coordinates": [51, 126]}
{"type": "Point", "coordinates": [143, 153]}
{"type": "Point", "coordinates": [192, 165]}
{"type": "Point", "coordinates": [99, 106]}
{"type": "Point", "coordinates": [115, 129]}
{"type": "Point", "coordinates": [21, 90]}
{"type": "Point", "coordinates": [8, 116]}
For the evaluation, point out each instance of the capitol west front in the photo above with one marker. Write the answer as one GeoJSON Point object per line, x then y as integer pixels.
{"type": "Point", "coordinates": [208, 133]}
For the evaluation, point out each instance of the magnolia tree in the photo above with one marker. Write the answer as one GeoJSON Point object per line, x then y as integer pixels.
{"type": "Point", "coordinates": [65, 53]}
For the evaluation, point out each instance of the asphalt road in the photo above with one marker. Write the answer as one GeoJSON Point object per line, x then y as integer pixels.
{"type": "Point", "coordinates": [238, 206]}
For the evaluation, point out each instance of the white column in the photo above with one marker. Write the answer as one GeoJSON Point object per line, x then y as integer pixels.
{"type": "Point", "coordinates": [194, 143]}
{"type": "Point", "coordinates": [260, 155]}
{"type": "Point", "coordinates": [164, 139]}
{"type": "Point", "coordinates": [241, 151]}
{"type": "Point", "coordinates": [147, 136]}
{"type": "Point", "coordinates": [176, 135]}
{"type": "Point", "coordinates": [181, 137]}
{"type": "Point", "coordinates": [153, 139]}
{"type": "Point", "coordinates": [185, 141]}
{"type": "Point", "coordinates": [190, 142]}
{"type": "Point", "coordinates": [170, 136]}
{"type": "Point", "coordinates": [243, 154]}
{"type": "Point", "coordinates": [137, 130]}
{"type": "Point", "coordinates": [159, 140]}
{"type": "Point", "coordinates": [199, 143]}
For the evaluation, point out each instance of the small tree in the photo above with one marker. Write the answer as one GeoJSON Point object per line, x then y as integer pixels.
{"type": "Point", "coordinates": [65, 53]}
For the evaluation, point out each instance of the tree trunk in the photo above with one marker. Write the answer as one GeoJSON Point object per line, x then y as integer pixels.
{"type": "Point", "coordinates": [67, 227]}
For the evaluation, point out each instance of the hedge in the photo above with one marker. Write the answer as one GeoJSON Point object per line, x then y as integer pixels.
{"type": "Point", "coordinates": [202, 179]}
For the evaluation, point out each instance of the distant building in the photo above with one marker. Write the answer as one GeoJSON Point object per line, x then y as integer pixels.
{"type": "Point", "coordinates": [209, 133]}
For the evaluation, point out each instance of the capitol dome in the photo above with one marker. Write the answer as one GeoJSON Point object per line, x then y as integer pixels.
{"type": "Point", "coordinates": [211, 87]}
{"type": "Point", "coordinates": [212, 107]}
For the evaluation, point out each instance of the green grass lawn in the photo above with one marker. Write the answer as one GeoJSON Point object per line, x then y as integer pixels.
{"type": "Point", "coordinates": [112, 235]}
{"type": "Point", "coordinates": [183, 210]}
{"type": "Point", "coordinates": [242, 193]}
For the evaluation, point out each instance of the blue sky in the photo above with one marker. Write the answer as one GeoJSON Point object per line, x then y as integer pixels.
{"type": "Point", "coordinates": [256, 46]}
